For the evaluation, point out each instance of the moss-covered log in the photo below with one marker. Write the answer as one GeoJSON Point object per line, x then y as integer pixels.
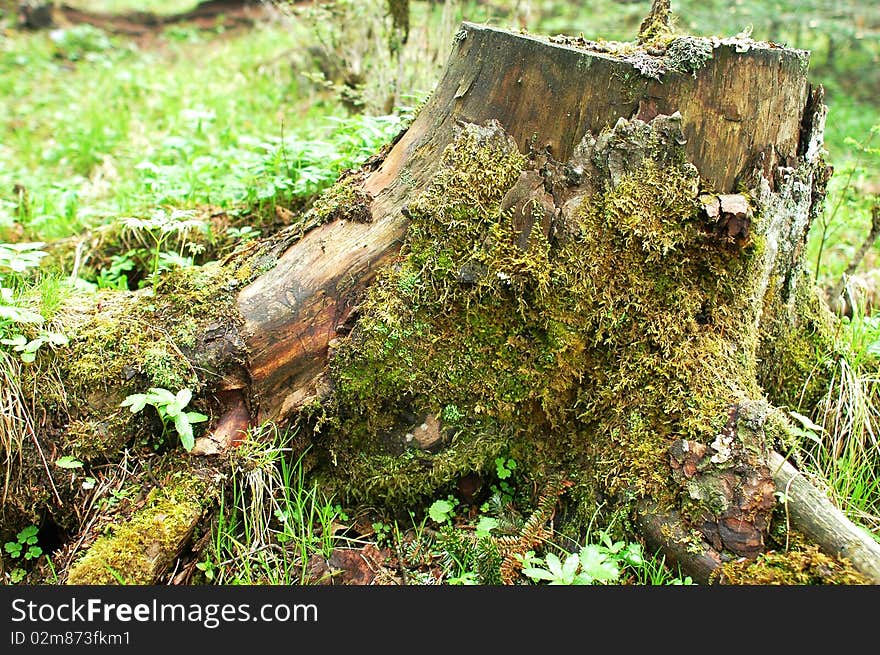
{"type": "Point", "coordinates": [580, 255]}
{"type": "Point", "coordinates": [820, 520]}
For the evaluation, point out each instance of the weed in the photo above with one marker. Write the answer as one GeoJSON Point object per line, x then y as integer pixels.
{"type": "Point", "coordinates": [170, 407]}
{"type": "Point", "coordinates": [208, 568]}
{"type": "Point", "coordinates": [16, 316]}
{"type": "Point", "coordinates": [159, 229]}
{"type": "Point", "coordinates": [593, 564]}
{"type": "Point", "coordinates": [441, 511]}
{"type": "Point", "coordinates": [15, 259]}
{"type": "Point", "coordinates": [485, 525]}
{"type": "Point", "coordinates": [115, 276]}
{"type": "Point", "coordinates": [654, 571]}
{"type": "Point", "coordinates": [465, 578]}
{"type": "Point", "coordinates": [25, 544]}
{"type": "Point", "coordinates": [382, 532]}
{"type": "Point", "coordinates": [274, 521]}
{"type": "Point", "coordinates": [504, 467]}
{"type": "Point", "coordinates": [29, 347]}
{"type": "Point", "coordinates": [68, 462]}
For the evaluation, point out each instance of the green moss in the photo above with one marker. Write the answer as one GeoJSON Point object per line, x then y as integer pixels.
{"type": "Point", "coordinates": [799, 347]}
{"type": "Point", "coordinates": [657, 24]}
{"type": "Point", "coordinates": [134, 341]}
{"type": "Point", "coordinates": [588, 348]}
{"type": "Point", "coordinates": [90, 439]}
{"type": "Point", "coordinates": [140, 547]}
{"type": "Point", "coordinates": [801, 565]}
{"type": "Point", "coordinates": [344, 200]}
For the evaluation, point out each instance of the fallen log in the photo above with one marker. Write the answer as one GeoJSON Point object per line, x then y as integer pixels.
{"type": "Point", "coordinates": [817, 517]}
{"type": "Point", "coordinates": [208, 14]}
{"type": "Point", "coordinates": [602, 241]}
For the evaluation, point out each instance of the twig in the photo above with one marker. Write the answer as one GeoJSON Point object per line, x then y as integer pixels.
{"type": "Point", "coordinates": [837, 289]}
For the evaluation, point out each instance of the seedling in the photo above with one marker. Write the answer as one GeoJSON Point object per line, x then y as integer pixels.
{"type": "Point", "coordinates": [29, 347]}
{"type": "Point", "coordinates": [25, 544]}
{"type": "Point", "coordinates": [68, 462]}
{"type": "Point", "coordinates": [442, 510]}
{"type": "Point", "coordinates": [504, 467]}
{"type": "Point", "coordinates": [170, 407]}
{"type": "Point", "coordinates": [592, 564]}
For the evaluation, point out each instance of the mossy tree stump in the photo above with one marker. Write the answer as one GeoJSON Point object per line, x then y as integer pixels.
{"type": "Point", "coordinates": [580, 255]}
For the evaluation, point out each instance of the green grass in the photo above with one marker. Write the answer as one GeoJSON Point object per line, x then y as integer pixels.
{"type": "Point", "coordinates": [273, 521]}
{"type": "Point", "coordinates": [120, 131]}
{"type": "Point", "coordinates": [853, 144]}
{"type": "Point", "coordinates": [845, 452]}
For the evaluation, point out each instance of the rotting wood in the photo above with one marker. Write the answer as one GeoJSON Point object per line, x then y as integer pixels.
{"type": "Point", "coordinates": [813, 514]}
{"type": "Point", "coordinates": [292, 310]}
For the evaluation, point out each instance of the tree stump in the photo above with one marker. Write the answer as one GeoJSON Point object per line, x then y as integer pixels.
{"type": "Point", "coordinates": [585, 256]}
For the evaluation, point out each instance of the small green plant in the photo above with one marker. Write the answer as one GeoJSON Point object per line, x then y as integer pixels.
{"type": "Point", "coordinates": [170, 407]}
{"type": "Point", "coordinates": [25, 544]}
{"type": "Point", "coordinates": [485, 525]}
{"type": "Point", "coordinates": [451, 414]}
{"type": "Point", "coordinates": [242, 234]}
{"type": "Point", "coordinates": [29, 347]}
{"type": "Point", "coordinates": [528, 559]}
{"type": "Point", "coordinates": [810, 430]}
{"type": "Point", "coordinates": [274, 520]}
{"type": "Point", "coordinates": [468, 578]}
{"type": "Point", "coordinates": [207, 568]}
{"type": "Point", "coordinates": [593, 564]}
{"type": "Point", "coordinates": [115, 276]}
{"type": "Point", "coordinates": [504, 467]}
{"type": "Point", "coordinates": [382, 531]}
{"type": "Point", "coordinates": [116, 574]}
{"type": "Point", "coordinates": [19, 257]}
{"type": "Point", "coordinates": [68, 462]}
{"type": "Point", "coordinates": [159, 229]}
{"type": "Point", "coordinates": [558, 572]}
{"type": "Point", "coordinates": [16, 575]}
{"type": "Point", "coordinates": [80, 42]}
{"type": "Point", "coordinates": [583, 568]}
{"type": "Point", "coordinates": [16, 259]}
{"type": "Point", "coordinates": [502, 492]}
{"type": "Point", "coordinates": [442, 510]}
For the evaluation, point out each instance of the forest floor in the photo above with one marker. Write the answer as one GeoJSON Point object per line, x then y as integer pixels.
{"type": "Point", "coordinates": [111, 122]}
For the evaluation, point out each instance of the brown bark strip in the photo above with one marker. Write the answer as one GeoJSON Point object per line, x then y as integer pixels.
{"type": "Point", "coordinates": [681, 548]}
{"type": "Point", "coordinates": [231, 428]}
{"type": "Point", "coordinates": [292, 311]}
{"type": "Point", "coordinates": [730, 477]}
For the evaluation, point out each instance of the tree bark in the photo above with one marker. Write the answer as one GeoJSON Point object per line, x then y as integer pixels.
{"type": "Point", "coordinates": [576, 256]}
{"type": "Point", "coordinates": [553, 92]}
